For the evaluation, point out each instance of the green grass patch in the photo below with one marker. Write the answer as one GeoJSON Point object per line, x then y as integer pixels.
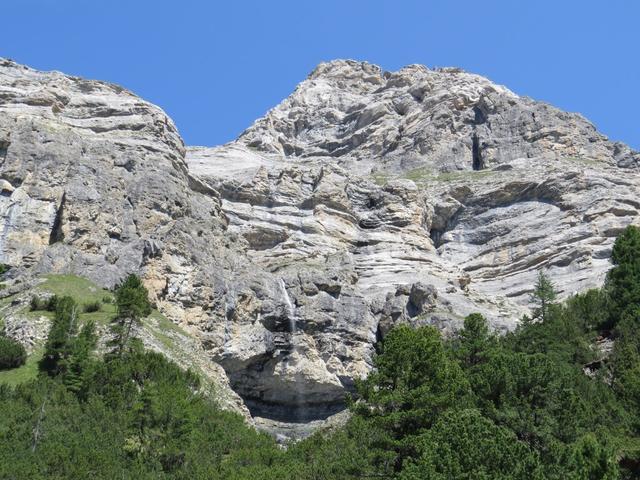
{"type": "Point", "coordinates": [26, 372]}
{"type": "Point", "coordinates": [84, 292]}
{"type": "Point", "coordinates": [423, 175]}
{"type": "Point", "coordinates": [462, 175]}
{"type": "Point", "coordinates": [161, 327]}
{"type": "Point", "coordinates": [418, 175]}
{"type": "Point", "coordinates": [586, 161]}
{"type": "Point", "coordinates": [36, 314]}
{"type": "Point", "coordinates": [380, 178]}
{"type": "Point", "coordinates": [164, 323]}
{"type": "Point", "coordinates": [102, 317]}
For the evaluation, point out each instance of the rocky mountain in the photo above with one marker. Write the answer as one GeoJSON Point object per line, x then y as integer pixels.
{"type": "Point", "coordinates": [365, 199]}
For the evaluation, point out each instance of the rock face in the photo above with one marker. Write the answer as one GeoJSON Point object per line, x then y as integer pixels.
{"type": "Point", "coordinates": [365, 199]}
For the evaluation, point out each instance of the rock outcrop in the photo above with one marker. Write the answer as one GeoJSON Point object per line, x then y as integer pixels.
{"type": "Point", "coordinates": [365, 199]}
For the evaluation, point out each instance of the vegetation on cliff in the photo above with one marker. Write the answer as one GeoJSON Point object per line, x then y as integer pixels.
{"type": "Point", "coordinates": [558, 398]}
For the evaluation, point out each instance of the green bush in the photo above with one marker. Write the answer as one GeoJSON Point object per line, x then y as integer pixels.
{"type": "Point", "coordinates": [38, 304]}
{"type": "Point", "coordinates": [51, 304]}
{"type": "Point", "coordinates": [35, 304]}
{"type": "Point", "coordinates": [92, 307]}
{"type": "Point", "coordinates": [12, 353]}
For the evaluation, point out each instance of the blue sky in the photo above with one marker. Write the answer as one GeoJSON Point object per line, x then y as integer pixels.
{"type": "Point", "coordinates": [217, 66]}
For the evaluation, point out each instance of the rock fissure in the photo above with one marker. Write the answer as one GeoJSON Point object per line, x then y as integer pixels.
{"type": "Point", "coordinates": [57, 234]}
{"type": "Point", "coordinates": [476, 153]}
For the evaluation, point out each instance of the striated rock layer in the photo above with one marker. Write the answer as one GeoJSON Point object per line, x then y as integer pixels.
{"type": "Point", "coordinates": [365, 199]}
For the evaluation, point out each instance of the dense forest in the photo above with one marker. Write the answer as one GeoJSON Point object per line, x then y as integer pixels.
{"type": "Point", "coordinates": [558, 398]}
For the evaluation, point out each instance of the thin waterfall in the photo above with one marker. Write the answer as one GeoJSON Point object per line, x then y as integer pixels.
{"type": "Point", "coordinates": [295, 352]}
{"type": "Point", "coordinates": [290, 308]}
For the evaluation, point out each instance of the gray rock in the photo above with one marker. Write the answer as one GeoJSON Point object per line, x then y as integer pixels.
{"type": "Point", "coordinates": [422, 299]}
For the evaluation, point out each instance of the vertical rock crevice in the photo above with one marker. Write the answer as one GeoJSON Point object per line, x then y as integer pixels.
{"type": "Point", "coordinates": [56, 230]}
{"type": "Point", "coordinates": [4, 148]}
{"type": "Point", "coordinates": [479, 118]}
{"type": "Point", "coordinates": [476, 153]}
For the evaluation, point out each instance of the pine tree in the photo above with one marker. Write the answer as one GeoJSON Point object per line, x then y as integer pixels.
{"type": "Point", "coordinates": [623, 280]}
{"type": "Point", "coordinates": [473, 340]}
{"type": "Point", "coordinates": [76, 365]}
{"type": "Point", "coordinates": [413, 383]}
{"type": "Point", "coordinates": [60, 339]}
{"type": "Point", "coordinates": [12, 353]}
{"type": "Point", "coordinates": [132, 302]}
{"type": "Point", "coordinates": [543, 296]}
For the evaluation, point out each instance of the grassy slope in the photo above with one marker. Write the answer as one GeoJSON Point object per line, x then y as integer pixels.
{"type": "Point", "coordinates": [26, 372]}
{"type": "Point", "coordinates": [424, 175]}
{"type": "Point", "coordinates": [83, 292]}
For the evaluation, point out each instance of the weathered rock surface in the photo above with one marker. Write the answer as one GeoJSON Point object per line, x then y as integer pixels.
{"type": "Point", "coordinates": [365, 199]}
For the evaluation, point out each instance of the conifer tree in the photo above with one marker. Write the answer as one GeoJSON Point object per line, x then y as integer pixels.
{"type": "Point", "coordinates": [623, 280]}
{"type": "Point", "coordinates": [132, 302]}
{"type": "Point", "coordinates": [12, 353]}
{"type": "Point", "coordinates": [473, 340]}
{"type": "Point", "coordinates": [60, 339]}
{"type": "Point", "coordinates": [543, 296]}
{"type": "Point", "coordinates": [76, 365]}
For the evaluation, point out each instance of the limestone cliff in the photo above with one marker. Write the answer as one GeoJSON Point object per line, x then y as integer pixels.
{"type": "Point", "coordinates": [365, 199]}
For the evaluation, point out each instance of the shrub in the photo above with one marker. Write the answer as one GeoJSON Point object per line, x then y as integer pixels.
{"type": "Point", "coordinates": [35, 304]}
{"type": "Point", "coordinates": [92, 307]}
{"type": "Point", "coordinates": [49, 304]}
{"type": "Point", "coordinates": [107, 299]}
{"type": "Point", "coordinates": [12, 353]}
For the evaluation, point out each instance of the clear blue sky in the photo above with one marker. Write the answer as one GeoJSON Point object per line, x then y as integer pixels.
{"type": "Point", "coordinates": [215, 66]}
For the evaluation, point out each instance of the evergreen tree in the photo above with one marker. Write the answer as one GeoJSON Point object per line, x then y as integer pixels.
{"type": "Point", "coordinates": [59, 342]}
{"type": "Point", "coordinates": [590, 459]}
{"type": "Point", "coordinates": [12, 353]}
{"type": "Point", "coordinates": [623, 288]}
{"type": "Point", "coordinates": [625, 361]}
{"type": "Point", "coordinates": [623, 280]}
{"type": "Point", "coordinates": [473, 340]}
{"type": "Point", "coordinates": [465, 445]}
{"type": "Point", "coordinates": [413, 383]}
{"type": "Point", "coordinates": [543, 296]}
{"type": "Point", "coordinates": [132, 303]}
{"type": "Point", "coordinates": [76, 366]}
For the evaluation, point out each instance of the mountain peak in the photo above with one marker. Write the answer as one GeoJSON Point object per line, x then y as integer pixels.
{"type": "Point", "coordinates": [345, 68]}
{"type": "Point", "coordinates": [443, 118]}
